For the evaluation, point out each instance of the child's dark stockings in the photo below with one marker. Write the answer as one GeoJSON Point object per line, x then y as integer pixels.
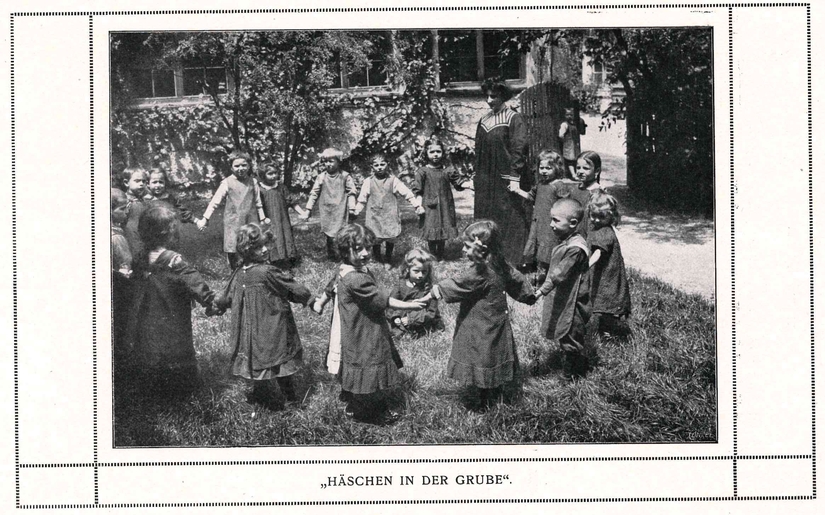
{"type": "Point", "coordinates": [436, 248]}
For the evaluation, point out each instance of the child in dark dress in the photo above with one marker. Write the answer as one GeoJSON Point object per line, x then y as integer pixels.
{"type": "Point", "coordinates": [567, 288]}
{"type": "Point", "coordinates": [121, 285]}
{"type": "Point", "coordinates": [484, 351]}
{"type": "Point", "coordinates": [361, 351]}
{"type": "Point", "coordinates": [263, 330]}
{"type": "Point", "coordinates": [415, 282]}
{"type": "Point", "coordinates": [134, 183]}
{"type": "Point", "coordinates": [276, 201]}
{"type": "Point", "coordinates": [160, 325]}
{"type": "Point", "coordinates": [609, 292]}
{"type": "Point", "coordinates": [158, 193]}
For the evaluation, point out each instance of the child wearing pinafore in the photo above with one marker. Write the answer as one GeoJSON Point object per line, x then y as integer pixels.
{"type": "Point", "coordinates": [276, 201]}
{"type": "Point", "coordinates": [335, 191]}
{"type": "Point", "coordinates": [361, 351]}
{"type": "Point", "coordinates": [378, 194]}
{"type": "Point", "coordinates": [241, 196]}
{"type": "Point", "coordinates": [264, 335]}
{"type": "Point", "coordinates": [484, 350]}
{"type": "Point", "coordinates": [567, 288]}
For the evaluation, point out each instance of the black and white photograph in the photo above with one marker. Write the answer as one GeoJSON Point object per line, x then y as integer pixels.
{"type": "Point", "coordinates": [474, 236]}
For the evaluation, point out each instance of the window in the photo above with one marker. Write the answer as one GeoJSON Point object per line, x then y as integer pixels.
{"type": "Point", "coordinates": [599, 73]}
{"type": "Point", "coordinates": [153, 83]}
{"type": "Point", "coordinates": [473, 55]}
{"type": "Point", "coordinates": [203, 78]}
{"type": "Point", "coordinates": [347, 75]}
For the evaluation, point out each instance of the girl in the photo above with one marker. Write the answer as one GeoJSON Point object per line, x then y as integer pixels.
{"type": "Point", "coordinates": [240, 194]}
{"type": "Point", "coordinates": [121, 285]}
{"type": "Point", "coordinates": [416, 282]}
{"type": "Point", "coordinates": [432, 183]}
{"type": "Point", "coordinates": [264, 334]}
{"type": "Point", "coordinates": [547, 190]}
{"type": "Point", "coordinates": [588, 172]}
{"type": "Point", "coordinates": [335, 190]}
{"type": "Point", "coordinates": [276, 200]}
{"type": "Point", "coordinates": [134, 183]}
{"type": "Point", "coordinates": [361, 351]}
{"type": "Point", "coordinates": [378, 194]}
{"type": "Point", "coordinates": [160, 324]}
{"type": "Point", "coordinates": [610, 295]}
{"type": "Point", "coordinates": [157, 193]}
{"type": "Point", "coordinates": [570, 141]}
{"type": "Point", "coordinates": [484, 351]}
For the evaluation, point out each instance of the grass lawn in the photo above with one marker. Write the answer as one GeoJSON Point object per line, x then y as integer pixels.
{"type": "Point", "coordinates": [658, 386]}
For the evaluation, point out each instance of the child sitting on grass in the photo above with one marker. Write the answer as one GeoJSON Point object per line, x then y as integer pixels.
{"type": "Point", "coordinates": [415, 282]}
{"type": "Point", "coordinates": [264, 334]}
{"type": "Point", "coordinates": [361, 351]}
{"type": "Point", "coordinates": [567, 306]}
{"type": "Point", "coordinates": [241, 197]}
{"type": "Point", "coordinates": [609, 292]}
{"type": "Point", "coordinates": [484, 351]}
{"type": "Point", "coordinates": [160, 325]}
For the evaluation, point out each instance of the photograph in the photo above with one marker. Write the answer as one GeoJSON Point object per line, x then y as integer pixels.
{"type": "Point", "coordinates": [412, 237]}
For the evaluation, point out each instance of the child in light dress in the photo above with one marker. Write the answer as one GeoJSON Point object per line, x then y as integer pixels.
{"type": "Point", "coordinates": [570, 141]}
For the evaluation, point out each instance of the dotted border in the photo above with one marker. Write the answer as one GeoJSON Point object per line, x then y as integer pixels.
{"type": "Point", "coordinates": [735, 464]}
{"type": "Point", "coordinates": [96, 465]}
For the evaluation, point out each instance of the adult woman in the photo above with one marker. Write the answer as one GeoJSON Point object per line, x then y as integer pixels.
{"type": "Point", "coordinates": [500, 164]}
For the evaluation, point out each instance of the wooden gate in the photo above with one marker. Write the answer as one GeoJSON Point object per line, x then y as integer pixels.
{"type": "Point", "coordinates": [543, 107]}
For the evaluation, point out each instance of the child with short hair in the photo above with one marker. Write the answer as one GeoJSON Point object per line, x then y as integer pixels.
{"type": "Point", "coordinates": [378, 194]}
{"type": "Point", "coordinates": [276, 201]}
{"type": "Point", "coordinates": [158, 193]}
{"type": "Point", "coordinates": [570, 141]}
{"type": "Point", "coordinates": [160, 324]}
{"type": "Point", "coordinates": [264, 334]}
{"type": "Point", "coordinates": [415, 282]}
{"type": "Point", "coordinates": [241, 197]}
{"type": "Point", "coordinates": [432, 185]}
{"type": "Point", "coordinates": [134, 183]}
{"type": "Point", "coordinates": [484, 350]}
{"type": "Point", "coordinates": [121, 273]}
{"type": "Point", "coordinates": [361, 351]}
{"type": "Point", "coordinates": [567, 287]}
{"type": "Point", "coordinates": [609, 291]}
{"type": "Point", "coordinates": [335, 190]}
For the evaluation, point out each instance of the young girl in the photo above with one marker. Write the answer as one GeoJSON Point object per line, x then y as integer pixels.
{"type": "Point", "coordinates": [160, 324]}
{"type": "Point", "coordinates": [361, 351]}
{"type": "Point", "coordinates": [432, 184]}
{"type": "Point", "coordinates": [609, 292]}
{"type": "Point", "coordinates": [264, 334]}
{"type": "Point", "coordinates": [276, 201]}
{"type": "Point", "coordinates": [484, 351]}
{"type": "Point", "coordinates": [158, 194]}
{"type": "Point", "coordinates": [335, 190]}
{"type": "Point", "coordinates": [547, 190]}
{"type": "Point", "coordinates": [241, 195]}
{"type": "Point", "coordinates": [570, 141]}
{"type": "Point", "coordinates": [134, 183]}
{"type": "Point", "coordinates": [588, 172]}
{"type": "Point", "coordinates": [378, 194]}
{"type": "Point", "coordinates": [416, 282]}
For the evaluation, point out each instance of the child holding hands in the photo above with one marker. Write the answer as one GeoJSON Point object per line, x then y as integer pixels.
{"type": "Point", "coordinates": [276, 201]}
{"type": "Point", "coordinates": [415, 282]}
{"type": "Point", "coordinates": [159, 194]}
{"type": "Point", "coordinates": [241, 196]}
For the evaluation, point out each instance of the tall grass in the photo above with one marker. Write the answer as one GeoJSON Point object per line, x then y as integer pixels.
{"type": "Point", "coordinates": [657, 386]}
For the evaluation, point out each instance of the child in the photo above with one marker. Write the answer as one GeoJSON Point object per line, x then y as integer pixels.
{"type": "Point", "coordinates": [241, 195]}
{"type": "Point", "coordinates": [158, 193]}
{"type": "Point", "coordinates": [567, 307]}
{"type": "Point", "coordinates": [361, 351]}
{"type": "Point", "coordinates": [264, 334]}
{"type": "Point", "coordinates": [588, 173]}
{"type": "Point", "coordinates": [570, 141]}
{"type": "Point", "coordinates": [547, 190]}
{"type": "Point", "coordinates": [432, 183]}
{"type": "Point", "coordinates": [416, 282]}
{"type": "Point", "coordinates": [609, 292]}
{"type": "Point", "coordinates": [378, 194]}
{"type": "Point", "coordinates": [160, 324]}
{"type": "Point", "coordinates": [276, 201]}
{"type": "Point", "coordinates": [134, 183]}
{"type": "Point", "coordinates": [121, 272]}
{"type": "Point", "coordinates": [336, 192]}
{"type": "Point", "coordinates": [484, 351]}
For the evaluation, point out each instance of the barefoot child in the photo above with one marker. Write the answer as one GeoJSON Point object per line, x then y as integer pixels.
{"type": "Point", "coordinates": [567, 306]}
{"type": "Point", "coordinates": [432, 185]}
{"type": "Point", "coordinates": [378, 194]}
{"type": "Point", "coordinates": [160, 323]}
{"type": "Point", "coordinates": [484, 351]}
{"type": "Point", "coordinates": [335, 191]}
{"type": "Point", "coordinates": [159, 194]}
{"type": "Point", "coordinates": [263, 331]}
{"type": "Point", "coordinates": [241, 197]}
{"type": "Point", "coordinates": [609, 292]}
{"type": "Point", "coordinates": [276, 201]}
{"type": "Point", "coordinates": [361, 350]}
{"type": "Point", "coordinates": [416, 281]}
